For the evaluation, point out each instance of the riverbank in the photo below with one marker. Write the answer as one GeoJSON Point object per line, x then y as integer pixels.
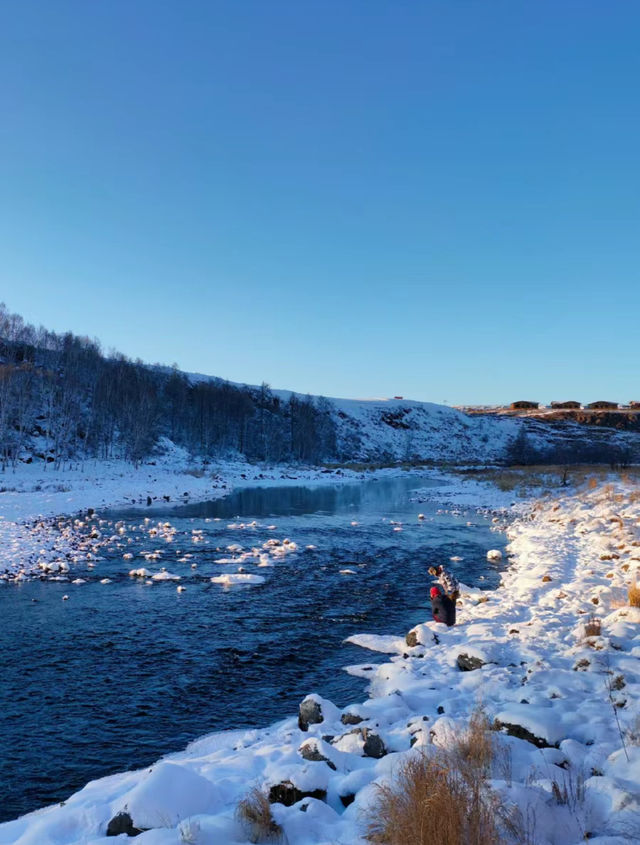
{"type": "Point", "coordinates": [36, 502]}
{"type": "Point", "coordinates": [39, 537]}
{"type": "Point", "coordinates": [567, 696]}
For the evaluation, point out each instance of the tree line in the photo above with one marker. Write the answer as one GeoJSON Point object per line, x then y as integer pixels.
{"type": "Point", "coordinates": [62, 399]}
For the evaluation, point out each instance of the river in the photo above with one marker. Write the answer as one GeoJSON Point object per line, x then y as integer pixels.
{"type": "Point", "coordinates": [124, 672]}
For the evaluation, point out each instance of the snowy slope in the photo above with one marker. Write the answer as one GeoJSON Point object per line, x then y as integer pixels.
{"type": "Point", "coordinates": [379, 430]}
{"type": "Point", "coordinates": [401, 429]}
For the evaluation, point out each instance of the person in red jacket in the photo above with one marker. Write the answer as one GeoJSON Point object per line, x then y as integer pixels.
{"type": "Point", "coordinates": [443, 609]}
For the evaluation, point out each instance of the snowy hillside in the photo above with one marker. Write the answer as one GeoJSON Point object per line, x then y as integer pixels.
{"type": "Point", "coordinates": [391, 429]}
{"type": "Point", "coordinates": [63, 400]}
{"type": "Point", "coordinates": [398, 429]}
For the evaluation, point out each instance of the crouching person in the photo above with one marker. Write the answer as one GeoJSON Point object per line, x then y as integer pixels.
{"type": "Point", "coordinates": [448, 581]}
{"type": "Point", "coordinates": [443, 609]}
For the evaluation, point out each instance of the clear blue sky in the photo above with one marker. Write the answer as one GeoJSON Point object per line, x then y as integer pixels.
{"type": "Point", "coordinates": [349, 197]}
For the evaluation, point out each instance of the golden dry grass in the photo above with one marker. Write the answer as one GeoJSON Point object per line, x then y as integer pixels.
{"type": "Point", "coordinates": [254, 813]}
{"type": "Point", "coordinates": [592, 627]}
{"type": "Point", "coordinates": [634, 595]}
{"type": "Point", "coordinates": [548, 477]}
{"type": "Point", "coordinates": [442, 797]}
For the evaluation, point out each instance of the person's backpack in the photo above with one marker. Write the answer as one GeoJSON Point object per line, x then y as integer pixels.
{"type": "Point", "coordinates": [443, 609]}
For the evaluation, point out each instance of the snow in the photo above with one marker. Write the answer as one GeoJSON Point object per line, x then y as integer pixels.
{"type": "Point", "coordinates": [572, 555]}
{"type": "Point", "coordinates": [237, 578]}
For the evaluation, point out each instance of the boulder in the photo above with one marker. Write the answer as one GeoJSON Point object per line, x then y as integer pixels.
{"type": "Point", "coordinates": [412, 639]}
{"type": "Point", "coordinates": [122, 823]}
{"type": "Point", "coordinates": [467, 663]}
{"type": "Point", "coordinates": [169, 793]}
{"type": "Point", "coordinates": [521, 733]}
{"type": "Point", "coordinates": [351, 718]}
{"type": "Point", "coordinates": [310, 713]}
{"type": "Point", "coordinates": [288, 794]}
{"type": "Point", "coordinates": [309, 751]}
{"type": "Point", "coordinates": [373, 745]}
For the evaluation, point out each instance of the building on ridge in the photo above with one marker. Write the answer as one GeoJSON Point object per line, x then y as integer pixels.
{"type": "Point", "coordinates": [523, 405]}
{"type": "Point", "coordinates": [602, 405]}
{"type": "Point", "coordinates": [570, 405]}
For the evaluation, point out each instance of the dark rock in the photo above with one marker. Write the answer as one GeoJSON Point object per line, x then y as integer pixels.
{"type": "Point", "coordinates": [522, 733]}
{"type": "Point", "coordinates": [373, 745]}
{"type": "Point", "coordinates": [310, 713]}
{"type": "Point", "coordinates": [412, 639]}
{"type": "Point", "coordinates": [347, 799]}
{"type": "Point", "coordinates": [310, 751]}
{"type": "Point", "coordinates": [440, 709]}
{"type": "Point", "coordinates": [149, 500]}
{"type": "Point", "coordinates": [288, 794]}
{"type": "Point", "coordinates": [351, 719]}
{"type": "Point", "coordinates": [122, 823]}
{"type": "Point", "coordinates": [466, 663]}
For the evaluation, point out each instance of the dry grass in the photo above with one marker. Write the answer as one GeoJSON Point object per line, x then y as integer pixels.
{"type": "Point", "coordinates": [254, 813]}
{"type": "Point", "coordinates": [569, 790]}
{"type": "Point", "coordinates": [632, 733]}
{"type": "Point", "coordinates": [548, 477]}
{"type": "Point", "coordinates": [618, 600]}
{"type": "Point", "coordinates": [592, 627]}
{"type": "Point", "coordinates": [443, 797]}
{"type": "Point", "coordinates": [634, 595]}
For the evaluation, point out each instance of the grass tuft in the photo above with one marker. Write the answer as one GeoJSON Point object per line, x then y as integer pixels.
{"type": "Point", "coordinates": [634, 595]}
{"type": "Point", "coordinates": [254, 813]}
{"type": "Point", "coordinates": [442, 797]}
{"type": "Point", "coordinates": [592, 627]}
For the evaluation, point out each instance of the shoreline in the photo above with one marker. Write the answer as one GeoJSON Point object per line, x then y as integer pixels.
{"type": "Point", "coordinates": [533, 669]}
{"type": "Point", "coordinates": [38, 507]}
{"type": "Point", "coordinates": [34, 500]}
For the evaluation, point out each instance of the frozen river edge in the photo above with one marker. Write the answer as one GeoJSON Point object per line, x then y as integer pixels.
{"type": "Point", "coordinates": [554, 689]}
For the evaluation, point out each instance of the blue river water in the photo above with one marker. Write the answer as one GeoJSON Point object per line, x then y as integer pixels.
{"type": "Point", "coordinates": [123, 672]}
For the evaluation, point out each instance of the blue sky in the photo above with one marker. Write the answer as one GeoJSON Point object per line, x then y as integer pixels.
{"type": "Point", "coordinates": [434, 199]}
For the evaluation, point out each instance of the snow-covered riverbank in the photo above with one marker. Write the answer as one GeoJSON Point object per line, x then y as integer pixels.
{"type": "Point", "coordinates": [38, 538]}
{"type": "Point", "coordinates": [568, 701]}
{"type": "Point", "coordinates": [35, 502]}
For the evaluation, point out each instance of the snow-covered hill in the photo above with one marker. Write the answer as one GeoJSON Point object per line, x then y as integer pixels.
{"type": "Point", "coordinates": [380, 430]}
{"type": "Point", "coordinates": [398, 429]}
